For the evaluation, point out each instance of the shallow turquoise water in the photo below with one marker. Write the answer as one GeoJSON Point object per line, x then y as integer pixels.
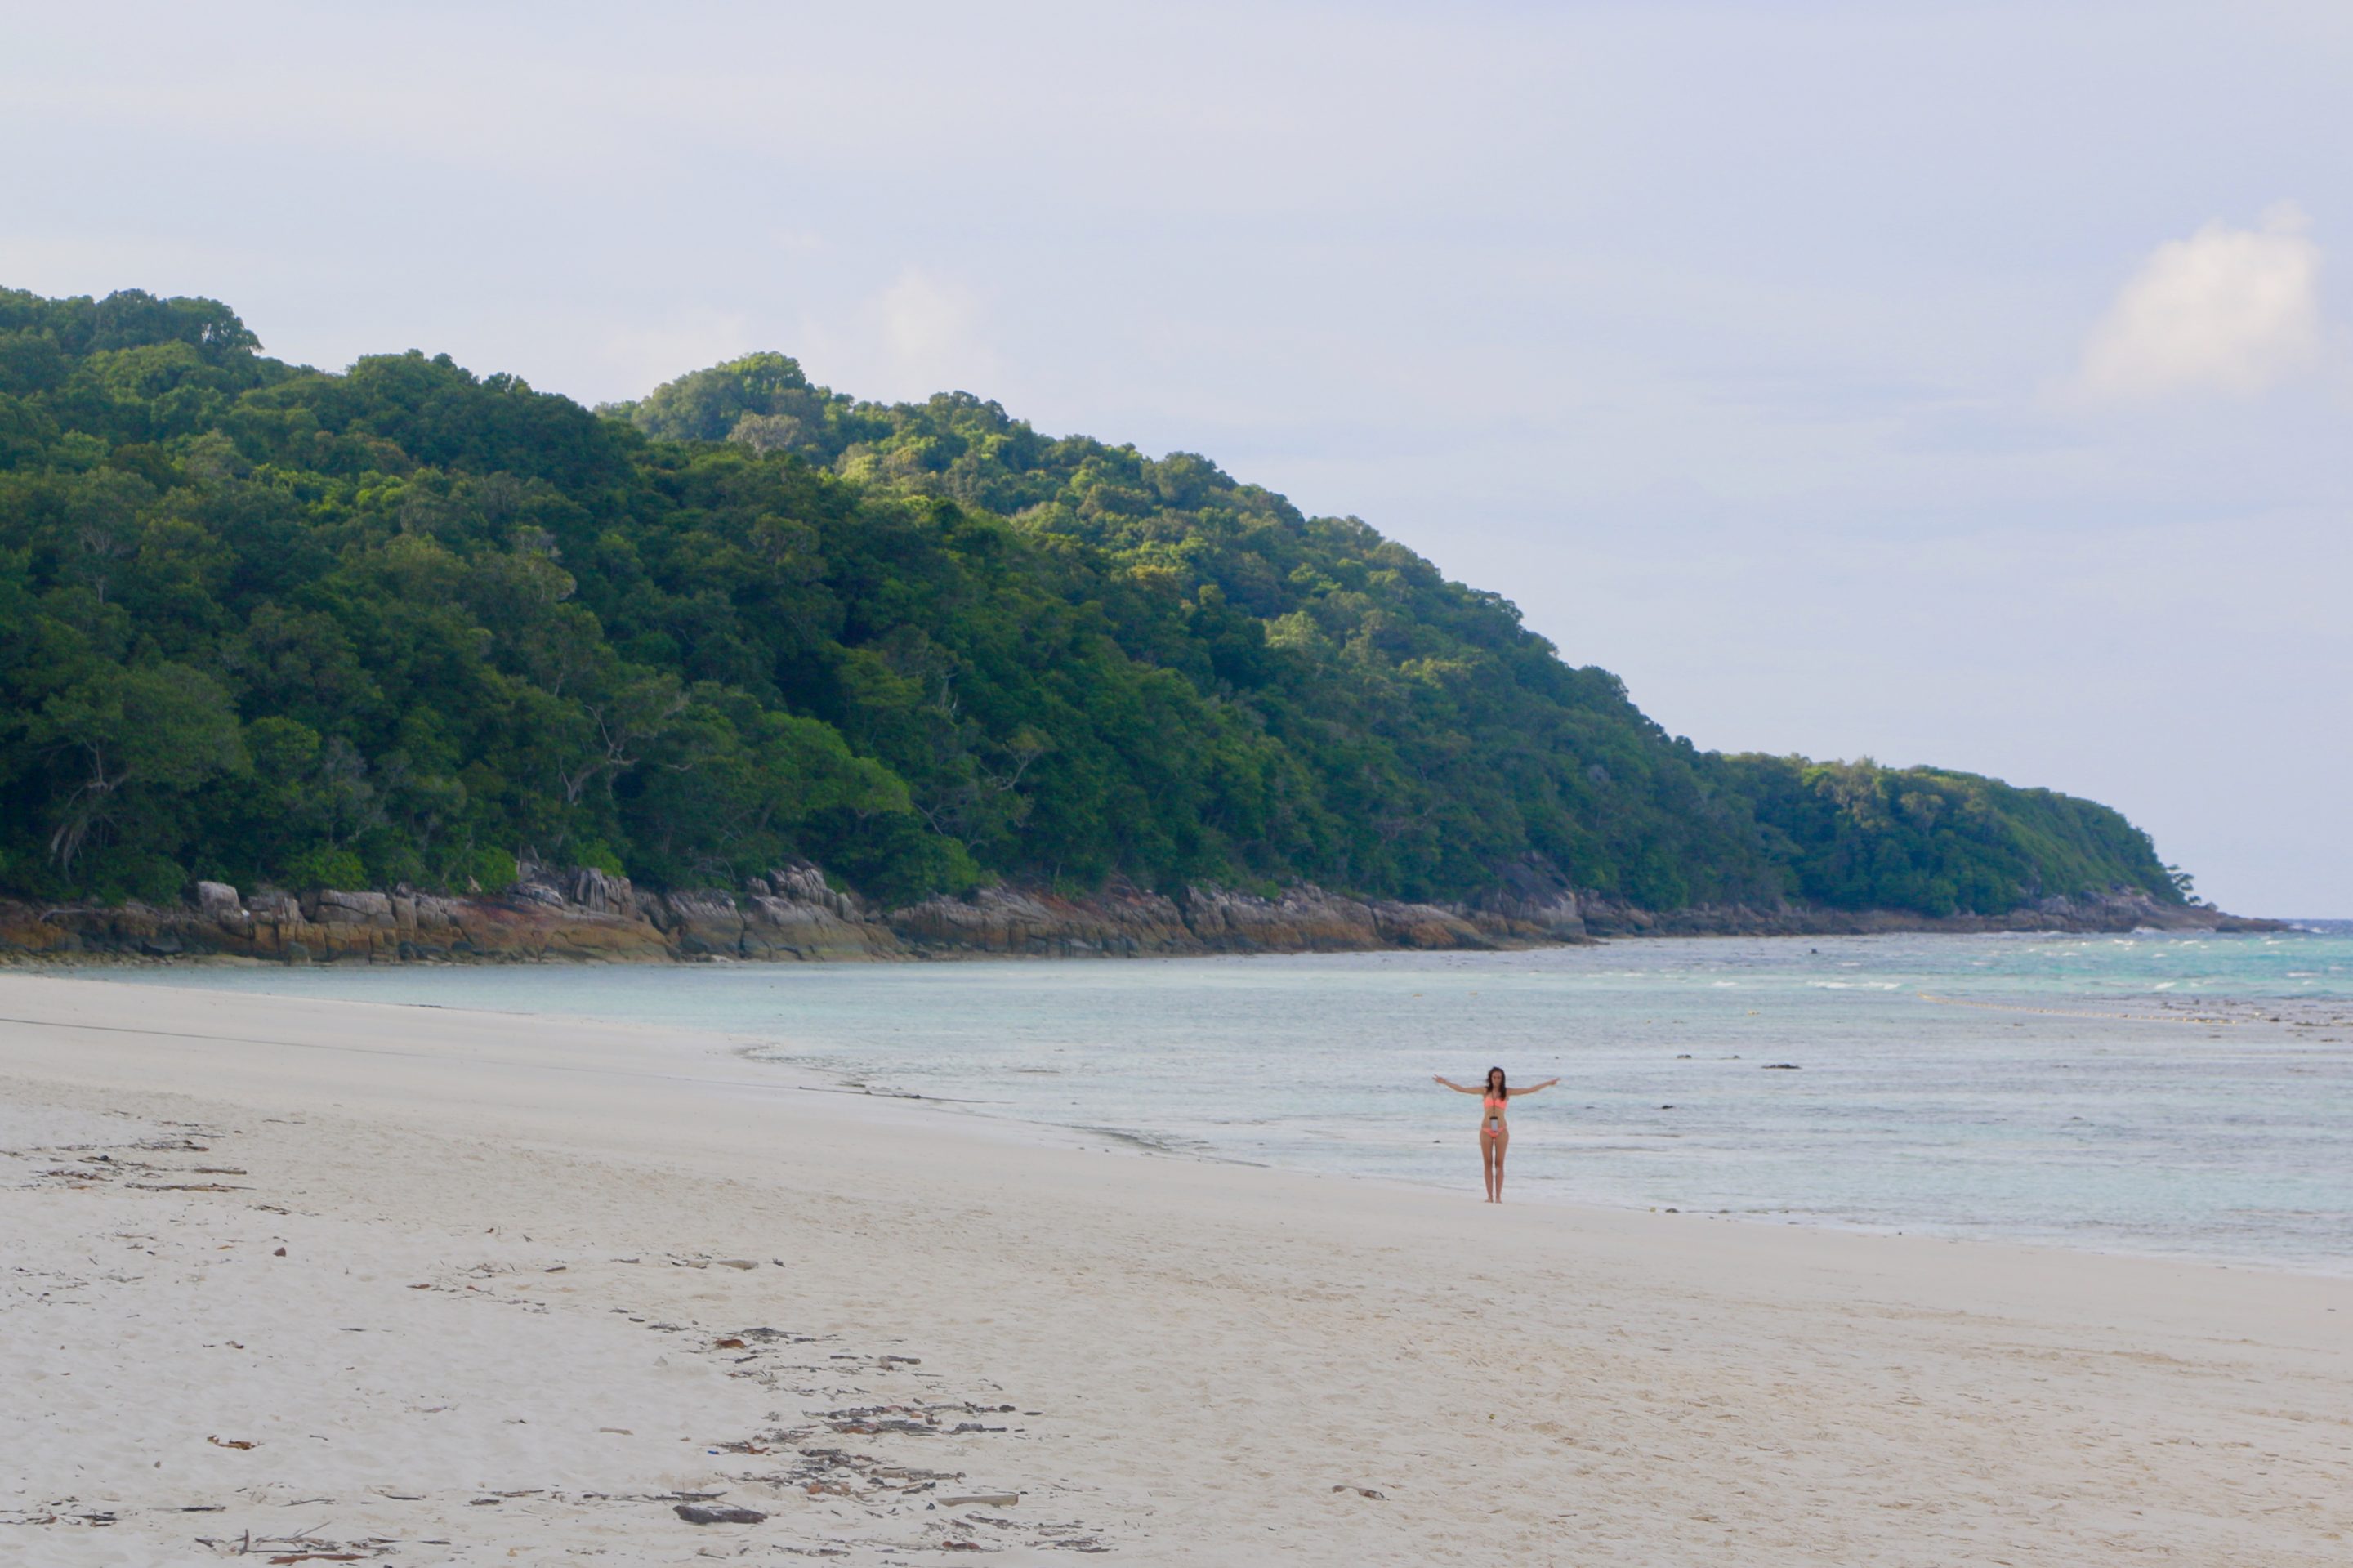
{"type": "Point", "coordinates": [2189, 1095]}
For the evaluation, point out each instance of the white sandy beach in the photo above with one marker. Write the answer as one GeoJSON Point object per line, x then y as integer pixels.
{"type": "Point", "coordinates": [507, 1324]}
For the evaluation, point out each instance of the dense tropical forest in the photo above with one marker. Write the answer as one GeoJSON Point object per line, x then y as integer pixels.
{"type": "Point", "coordinates": [404, 624]}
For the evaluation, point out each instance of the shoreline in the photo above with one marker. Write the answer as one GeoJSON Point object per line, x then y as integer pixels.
{"type": "Point", "coordinates": [782, 1056]}
{"type": "Point", "coordinates": [510, 1314]}
{"type": "Point", "coordinates": [796, 916]}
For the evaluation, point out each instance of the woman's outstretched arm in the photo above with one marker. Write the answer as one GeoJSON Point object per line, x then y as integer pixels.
{"type": "Point", "coordinates": [1457, 1088]}
{"type": "Point", "coordinates": [1532, 1088]}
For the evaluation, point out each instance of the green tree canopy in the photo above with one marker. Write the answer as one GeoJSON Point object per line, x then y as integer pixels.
{"type": "Point", "coordinates": [261, 622]}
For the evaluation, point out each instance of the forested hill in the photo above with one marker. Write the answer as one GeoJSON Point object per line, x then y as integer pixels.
{"type": "Point", "coordinates": [263, 624]}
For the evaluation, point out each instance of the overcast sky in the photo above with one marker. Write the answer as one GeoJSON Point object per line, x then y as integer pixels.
{"type": "Point", "coordinates": [1967, 384]}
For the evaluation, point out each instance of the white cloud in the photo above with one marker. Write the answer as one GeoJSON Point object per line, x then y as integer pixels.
{"type": "Point", "coordinates": [2227, 310]}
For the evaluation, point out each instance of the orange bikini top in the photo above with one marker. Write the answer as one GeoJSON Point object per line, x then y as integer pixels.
{"type": "Point", "coordinates": [1493, 1101]}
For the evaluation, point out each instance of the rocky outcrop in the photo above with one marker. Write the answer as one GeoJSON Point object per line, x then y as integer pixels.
{"type": "Point", "coordinates": [1531, 901]}
{"type": "Point", "coordinates": [2116, 913]}
{"type": "Point", "coordinates": [331, 925]}
{"type": "Point", "coordinates": [700, 924]}
{"type": "Point", "coordinates": [1122, 921]}
{"type": "Point", "coordinates": [789, 914]}
{"type": "Point", "coordinates": [1301, 920]}
{"type": "Point", "coordinates": [793, 913]}
{"type": "Point", "coordinates": [1306, 919]}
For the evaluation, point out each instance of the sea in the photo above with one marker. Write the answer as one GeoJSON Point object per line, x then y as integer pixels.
{"type": "Point", "coordinates": [2177, 1095]}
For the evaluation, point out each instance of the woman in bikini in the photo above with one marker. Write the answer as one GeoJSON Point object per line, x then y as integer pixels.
{"type": "Point", "coordinates": [1494, 1134]}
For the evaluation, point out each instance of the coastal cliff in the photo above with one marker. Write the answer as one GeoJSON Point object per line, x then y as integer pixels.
{"type": "Point", "coordinates": [794, 913]}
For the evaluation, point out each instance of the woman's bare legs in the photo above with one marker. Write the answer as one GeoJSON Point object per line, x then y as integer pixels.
{"type": "Point", "coordinates": [1495, 1147]}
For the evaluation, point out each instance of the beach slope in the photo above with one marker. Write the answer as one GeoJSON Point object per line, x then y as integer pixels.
{"type": "Point", "coordinates": [296, 1281]}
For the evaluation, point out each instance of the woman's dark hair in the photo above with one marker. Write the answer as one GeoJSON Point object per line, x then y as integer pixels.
{"type": "Point", "coordinates": [1497, 1084]}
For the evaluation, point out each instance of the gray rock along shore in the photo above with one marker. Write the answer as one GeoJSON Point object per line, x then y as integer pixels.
{"type": "Point", "coordinates": [795, 913]}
